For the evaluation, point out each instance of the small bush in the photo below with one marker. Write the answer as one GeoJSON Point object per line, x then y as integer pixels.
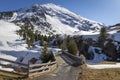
{"type": "Point", "coordinates": [47, 56]}
{"type": "Point", "coordinates": [72, 47]}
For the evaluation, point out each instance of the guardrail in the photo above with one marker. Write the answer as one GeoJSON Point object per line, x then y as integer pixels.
{"type": "Point", "coordinates": [77, 60]}
{"type": "Point", "coordinates": [27, 70]}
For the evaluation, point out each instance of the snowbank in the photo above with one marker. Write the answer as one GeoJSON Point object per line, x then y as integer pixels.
{"type": "Point", "coordinates": [97, 57]}
{"type": "Point", "coordinates": [5, 56]}
{"type": "Point", "coordinates": [104, 66]}
{"type": "Point", "coordinates": [7, 34]}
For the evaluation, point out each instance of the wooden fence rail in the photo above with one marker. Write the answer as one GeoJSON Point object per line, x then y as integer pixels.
{"type": "Point", "coordinates": [78, 60]}
{"type": "Point", "coordinates": [6, 60]}
{"type": "Point", "coordinates": [28, 70]}
{"type": "Point", "coordinates": [41, 68]}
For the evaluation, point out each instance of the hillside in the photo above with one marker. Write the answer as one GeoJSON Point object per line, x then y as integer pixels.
{"type": "Point", "coordinates": [51, 19]}
{"type": "Point", "coordinates": [12, 46]}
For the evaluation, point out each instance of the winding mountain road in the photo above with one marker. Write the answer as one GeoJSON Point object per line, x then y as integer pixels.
{"type": "Point", "coordinates": [64, 70]}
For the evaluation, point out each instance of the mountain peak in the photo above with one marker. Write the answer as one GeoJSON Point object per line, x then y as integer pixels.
{"type": "Point", "coordinates": [56, 8]}
{"type": "Point", "coordinates": [59, 8]}
{"type": "Point", "coordinates": [51, 4]}
{"type": "Point", "coordinates": [37, 5]}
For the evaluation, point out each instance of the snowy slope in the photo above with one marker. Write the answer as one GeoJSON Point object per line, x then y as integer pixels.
{"type": "Point", "coordinates": [7, 34]}
{"type": "Point", "coordinates": [61, 16]}
{"type": "Point", "coordinates": [60, 28]}
{"type": "Point", "coordinates": [12, 47]}
{"type": "Point", "coordinates": [114, 35]}
{"type": "Point", "coordinates": [114, 30]}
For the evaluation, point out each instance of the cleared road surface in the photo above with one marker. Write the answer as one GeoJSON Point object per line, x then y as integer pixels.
{"type": "Point", "coordinates": [63, 72]}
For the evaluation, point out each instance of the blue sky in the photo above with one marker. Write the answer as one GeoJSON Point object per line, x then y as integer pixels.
{"type": "Point", "coordinates": [105, 11]}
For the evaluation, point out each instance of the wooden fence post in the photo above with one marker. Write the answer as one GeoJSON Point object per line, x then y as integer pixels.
{"type": "Point", "coordinates": [28, 68]}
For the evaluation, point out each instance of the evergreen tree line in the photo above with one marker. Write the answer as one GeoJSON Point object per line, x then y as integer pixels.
{"type": "Point", "coordinates": [68, 44]}
{"type": "Point", "coordinates": [77, 44]}
{"type": "Point", "coordinates": [30, 35]}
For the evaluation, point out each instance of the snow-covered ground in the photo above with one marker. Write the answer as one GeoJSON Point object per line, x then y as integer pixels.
{"type": "Point", "coordinates": [99, 58]}
{"type": "Point", "coordinates": [60, 28]}
{"type": "Point", "coordinates": [103, 66]}
{"type": "Point", "coordinates": [7, 35]}
{"type": "Point", "coordinates": [11, 45]}
{"type": "Point", "coordinates": [95, 34]}
{"type": "Point", "coordinates": [88, 34]}
{"type": "Point", "coordinates": [115, 35]}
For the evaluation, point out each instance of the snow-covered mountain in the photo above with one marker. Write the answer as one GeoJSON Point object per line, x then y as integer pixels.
{"type": "Point", "coordinates": [51, 19]}
{"type": "Point", "coordinates": [115, 27]}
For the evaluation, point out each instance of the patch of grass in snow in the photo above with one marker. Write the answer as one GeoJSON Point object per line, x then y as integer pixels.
{"type": "Point", "coordinates": [102, 74]}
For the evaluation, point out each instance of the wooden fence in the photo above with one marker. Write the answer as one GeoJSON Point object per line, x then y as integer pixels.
{"type": "Point", "coordinates": [39, 69]}
{"type": "Point", "coordinates": [15, 71]}
{"type": "Point", "coordinates": [27, 70]}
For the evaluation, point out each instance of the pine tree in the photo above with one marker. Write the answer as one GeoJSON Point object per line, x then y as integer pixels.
{"type": "Point", "coordinates": [36, 35]}
{"type": "Point", "coordinates": [63, 46]}
{"type": "Point", "coordinates": [47, 56]}
{"type": "Point", "coordinates": [72, 47]}
{"type": "Point", "coordinates": [49, 38]}
{"type": "Point", "coordinates": [44, 56]}
{"type": "Point", "coordinates": [28, 42]}
{"type": "Point", "coordinates": [42, 42]}
{"type": "Point", "coordinates": [102, 37]}
{"type": "Point", "coordinates": [32, 38]}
